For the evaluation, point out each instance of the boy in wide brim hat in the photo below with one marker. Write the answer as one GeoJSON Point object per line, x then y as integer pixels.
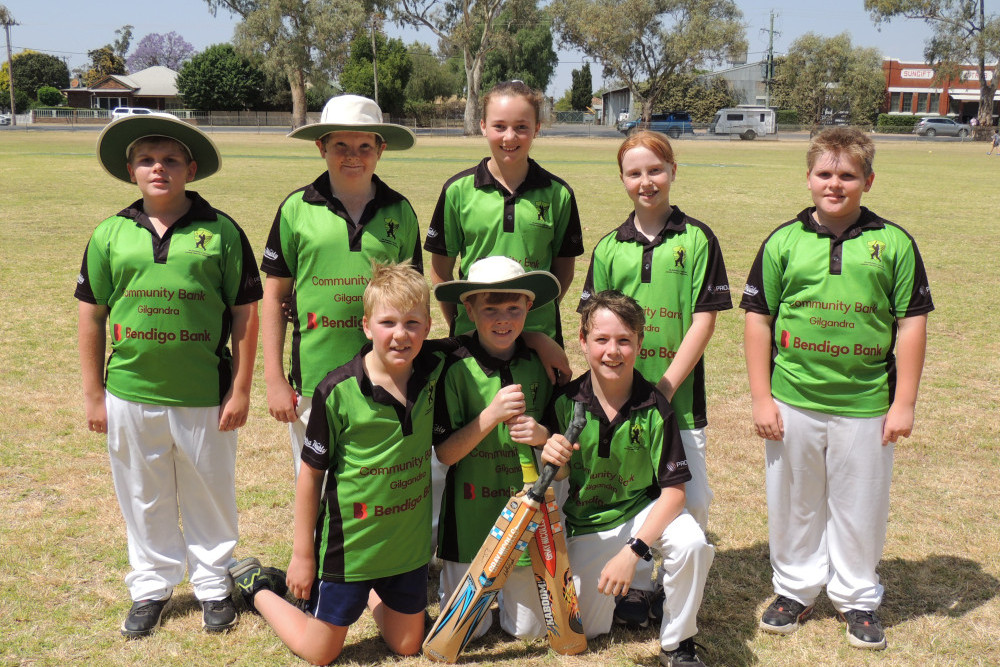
{"type": "Point", "coordinates": [321, 245]}
{"type": "Point", "coordinates": [174, 276]}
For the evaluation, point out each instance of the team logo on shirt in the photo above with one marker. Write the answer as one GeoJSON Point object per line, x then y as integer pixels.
{"type": "Point", "coordinates": [430, 396]}
{"type": "Point", "coordinates": [202, 239]}
{"type": "Point", "coordinates": [534, 393]}
{"type": "Point", "coordinates": [315, 446]}
{"type": "Point", "coordinates": [542, 208]}
{"type": "Point", "coordinates": [680, 257]}
{"type": "Point", "coordinates": [876, 248]}
{"type": "Point", "coordinates": [390, 228]}
{"type": "Point", "coordinates": [635, 437]}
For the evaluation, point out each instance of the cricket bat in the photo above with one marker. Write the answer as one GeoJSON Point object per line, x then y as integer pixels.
{"type": "Point", "coordinates": [554, 580]}
{"type": "Point", "coordinates": [490, 568]}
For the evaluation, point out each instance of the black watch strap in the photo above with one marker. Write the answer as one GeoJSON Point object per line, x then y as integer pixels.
{"type": "Point", "coordinates": [640, 548]}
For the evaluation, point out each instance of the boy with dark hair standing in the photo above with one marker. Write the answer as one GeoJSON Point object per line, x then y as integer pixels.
{"type": "Point", "coordinates": [626, 482]}
{"type": "Point", "coordinates": [176, 278]}
{"type": "Point", "coordinates": [829, 296]}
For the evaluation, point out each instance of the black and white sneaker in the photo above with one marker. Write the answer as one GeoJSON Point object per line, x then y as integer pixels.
{"type": "Point", "coordinates": [783, 616]}
{"type": "Point", "coordinates": [143, 618]}
{"type": "Point", "coordinates": [632, 609]}
{"type": "Point", "coordinates": [684, 655]}
{"type": "Point", "coordinates": [218, 615]}
{"type": "Point", "coordinates": [864, 629]}
{"type": "Point", "coordinates": [250, 577]}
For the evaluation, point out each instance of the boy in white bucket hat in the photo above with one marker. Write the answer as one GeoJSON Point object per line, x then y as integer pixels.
{"type": "Point", "coordinates": [177, 281]}
{"type": "Point", "coordinates": [322, 244]}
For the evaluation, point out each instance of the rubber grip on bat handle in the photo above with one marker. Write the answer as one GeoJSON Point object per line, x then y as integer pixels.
{"type": "Point", "coordinates": [537, 492]}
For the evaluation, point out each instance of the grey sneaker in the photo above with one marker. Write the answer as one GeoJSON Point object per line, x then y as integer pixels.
{"type": "Point", "coordinates": [783, 616]}
{"type": "Point", "coordinates": [864, 629]}
{"type": "Point", "coordinates": [250, 577]}
{"type": "Point", "coordinates": [684, 655]}
{"type": "Point", "coordinates": [143, 618]}
{"type": "Point", "coordinates": [218, 615]}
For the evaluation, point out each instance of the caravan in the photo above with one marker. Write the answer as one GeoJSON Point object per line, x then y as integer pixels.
{"type": "Point", "coordinates": [746, 121]}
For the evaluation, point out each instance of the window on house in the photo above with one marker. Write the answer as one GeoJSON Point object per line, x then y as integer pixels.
{"type": "Point", "coordinates": [894, 102]}
{"type": "Point", "coordinates": [922, 103]}
{"type": "Point", "coordinates": [907, 103]}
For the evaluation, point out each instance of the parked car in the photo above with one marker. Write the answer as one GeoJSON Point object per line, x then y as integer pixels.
{"type": "Point", "coordinates": [4, 119]}
{"type": "Point", "coordinates": [122, 112]}
{"type": "Point", "coordinates": [946, 127]}
{"type": "Point", "coordinates": [671, 123]}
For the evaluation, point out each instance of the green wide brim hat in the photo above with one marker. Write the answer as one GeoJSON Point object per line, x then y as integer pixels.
{"type": "Point", "coordinates": [500, 274]}
{"type": "Point", "coordinates": [353, 113]}
{"type": "Point", "coordinates": [118, 136]}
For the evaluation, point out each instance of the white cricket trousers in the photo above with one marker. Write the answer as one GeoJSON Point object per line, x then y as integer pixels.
{"type": "Point", "coordinates": [520, 610]}
{"type": "Point", "coordinates": [828, 507]}
{"type": "Point", "coordinates": [687, 557]}
{"type": "Point", "coordinates": [172, 464]}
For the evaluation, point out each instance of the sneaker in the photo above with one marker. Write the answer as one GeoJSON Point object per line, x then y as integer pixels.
{"type": "Point", "coordinates": [685, 654]}
{"type": "Point", "coordinates": [656, 606]}
{"type": "Point", "coordinates": [250, 577]}
{"type": "Point", "coordinates": [783, 616]}
{"type": "Point", "coordinates": [143, 618]}
{"type": "Point", "coordinates": [218, 615]}
{"type": "Point", "coordinates": [864, 629]}
{"type": "Point", "coordinates": [632, 609]}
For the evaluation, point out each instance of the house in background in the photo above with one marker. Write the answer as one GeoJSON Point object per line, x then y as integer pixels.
{"type": "Point", "coordinates": [154, 87]}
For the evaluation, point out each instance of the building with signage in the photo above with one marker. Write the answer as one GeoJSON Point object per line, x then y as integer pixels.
{"type": "Point", "coordinates": [911, 88]}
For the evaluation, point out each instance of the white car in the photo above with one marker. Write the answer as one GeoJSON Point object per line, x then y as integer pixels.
{"type": "Point", "coordinates": [4, 119]}
{"type": "Point", "coordinates": [122, 112]}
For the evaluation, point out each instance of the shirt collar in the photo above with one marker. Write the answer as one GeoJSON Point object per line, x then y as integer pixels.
{"type": "Point", "coordinates": [536, 178]}
{"type": "Point", "coordinates": [627, 231]}
{"type": "Point", "coordinates": [487, 362]}
{"type": "Point", "coordinates": [200, 210]}
{"type": "Point", "coordinates": [320, 192]}
{"type": "Point", "coordinates": [642, 396]}
{"type": "Point", "coordinates": [866, 221]}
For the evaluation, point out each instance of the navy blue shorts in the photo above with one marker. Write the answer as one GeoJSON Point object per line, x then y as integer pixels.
{"type": "Point", "coordinates": [342, 603]}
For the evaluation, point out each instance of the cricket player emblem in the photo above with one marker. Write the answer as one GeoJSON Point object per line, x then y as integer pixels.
{"type": "Point", "coordinates": [542, 208]}
{"type": "Point", "coordinates": [390, 228]}
{"type": "Point", "coordinates": [635, 436]}
{"type": "Point", "coordinates": [430, 396]}
{"type": "Point", "coordinates": [534, 393]}
{"type": "Point", "coordinates": [680, 256]}
{"type": "Point", "coordinates": [875, 249]}
{"type": "Point", "coordinates": [202, 239]}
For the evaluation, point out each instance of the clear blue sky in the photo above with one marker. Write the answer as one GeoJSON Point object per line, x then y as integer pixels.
{"type": "Point", "coordinates": [69, 28]}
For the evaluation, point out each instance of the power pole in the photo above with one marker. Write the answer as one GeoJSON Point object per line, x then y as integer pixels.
{"type": "Point", "coordinates": [769, 64]}
{"type": "Point", "coordinates": [7, 20]}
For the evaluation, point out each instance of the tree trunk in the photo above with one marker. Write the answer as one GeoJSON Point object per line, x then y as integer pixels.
{"type": "Point", "coordinates": [296, 81]}
{"type": "Point", "coordinates": [473, 79]}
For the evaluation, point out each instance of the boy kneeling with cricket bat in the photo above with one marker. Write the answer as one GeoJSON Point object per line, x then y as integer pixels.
{"type": "Point", "coordinates": [626, 482]}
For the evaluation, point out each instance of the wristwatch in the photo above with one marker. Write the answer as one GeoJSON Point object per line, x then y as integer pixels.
{"type": "Point", "coordinates": [640, 548]}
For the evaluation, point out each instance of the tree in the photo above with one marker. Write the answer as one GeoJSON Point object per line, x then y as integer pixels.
{"type": "Point", "coordinates": [220, 79]}
{"type": "Point", "coordinates": [700, 99]}
{"type": "Point", "coordinates": [301, 40]}
{"type": "Point", "coordinates": [523, 49]}
{"type": "Point", "coordinates": [468, 26]}
{"type": "Point", "coordinates": [120, 45]}
{"type": "Point", "coordinates": [963, 33]}
{"type": "Point", "coordinates": [51, 97]}
{"type": "Point", "coordinates": [431, 77]}
{"type": "Point", "coordinates": [650, 41]}
{"type": "Point", "coordinates": [169, 50]}
{"type": "Point", "coordinates": [394, 69]}
{"type": "Point", "coordinates": [827, 74]}
{"type": "Point", "coordinates": [33, 70]}
{"type": "Point", "coordinates": [582, 90]}
{"type": "Point", "coordinates": [103, 62]}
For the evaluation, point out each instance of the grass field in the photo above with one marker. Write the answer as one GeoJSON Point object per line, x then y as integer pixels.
{"type": "Point", "coordinates": [62, 540]}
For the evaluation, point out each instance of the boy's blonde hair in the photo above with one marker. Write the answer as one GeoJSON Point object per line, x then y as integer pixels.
{"type": "Point", "coordinates": [397, 286]}
{"type": "Point", "coordinates": [158, 139]}
{"type": "Point", "coordinates": [654, 141]}
{"type": "Point", "coordinates": [622, 306]}
{"type": "Point", "coordinates": [840, 141]}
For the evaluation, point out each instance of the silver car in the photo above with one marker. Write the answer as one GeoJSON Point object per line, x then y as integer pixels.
{"type": "Point", "coordinates": [946, 127]}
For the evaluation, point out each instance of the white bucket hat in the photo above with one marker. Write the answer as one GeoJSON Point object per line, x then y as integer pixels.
{"type": "Point", "coordinates": [500, 274]}
{"type": "Point", "coordinates": [353, 113]}
{"type": "Point", "coordinates": [118, 136]}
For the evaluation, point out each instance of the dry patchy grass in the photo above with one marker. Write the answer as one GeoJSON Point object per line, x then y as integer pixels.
{"type": "Point", "coordinates": [62, 543]}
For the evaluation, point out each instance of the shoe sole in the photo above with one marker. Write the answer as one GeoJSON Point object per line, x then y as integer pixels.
{"type": "Point", "coordinates": [218, 629]}
{"type": "Point", "coordinates": [244, 566]}
{"type": "Point", "coordinates": [631, 625]}
{"type": "Point", "coordinates": [786, 629]}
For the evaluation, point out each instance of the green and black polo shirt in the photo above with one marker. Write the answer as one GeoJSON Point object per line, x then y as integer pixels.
{"type": "Point", "coordinates": [314, 241]}
{"type": "Point", "coordinates": [169, 302]}
{"type": "Point", "coordinates": [678, 273]}
{"type": "Point", "coordinates": [621, 464]}
{"type": "Point", "coordinates": [477, 217]}
{"type": "Point", "coordinates": [478, 487]}
{"type": "Point", "coordinates": [376, 518]}
{"type": "Point", "coordinates": [835, 302]}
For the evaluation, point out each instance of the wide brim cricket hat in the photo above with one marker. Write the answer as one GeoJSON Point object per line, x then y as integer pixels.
{"type": "Point", "coordinates": [117, 138]}
{"type": "Point", "coordinates": [500, 274]}
{"type": "Point", "coordinates": [353, 113]}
